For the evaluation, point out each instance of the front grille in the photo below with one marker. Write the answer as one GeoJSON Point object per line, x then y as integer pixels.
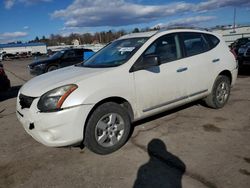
{"type": "Point", "coordinates": [25, 101]}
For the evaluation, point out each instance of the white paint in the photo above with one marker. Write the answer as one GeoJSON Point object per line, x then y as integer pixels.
{"type": "Point", "coordinates": [143, 89]}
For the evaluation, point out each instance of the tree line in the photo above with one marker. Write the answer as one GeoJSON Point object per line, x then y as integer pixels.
{"type": "Point", "coordinates": [86, 38]}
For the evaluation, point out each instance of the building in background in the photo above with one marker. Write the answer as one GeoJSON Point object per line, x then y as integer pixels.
{"type": "Point", "coordinates": [23, 48]}
{"type": "Point", "coordinates": [230, 33]}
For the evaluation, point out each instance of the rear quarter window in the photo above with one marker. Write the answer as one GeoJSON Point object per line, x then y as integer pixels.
{"type": "Point", "coordinates": [213, 40]}
{"type": "Point", "coordinates": [194, 43]}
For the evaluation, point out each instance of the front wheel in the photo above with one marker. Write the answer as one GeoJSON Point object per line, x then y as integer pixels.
{"type": "Point", "coordinates": [107, 129]}
{"type": "Point", "coordinates": [52, 68]}
{"type": "Point", "coordinates": [220, 93]}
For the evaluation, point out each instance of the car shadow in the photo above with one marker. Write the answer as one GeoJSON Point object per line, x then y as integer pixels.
{"type": "Point", "coordinates": [244, 71]}
{"type": "Point", "coordinates": [163, 169]}
{"type": "Point", "coordinates": [11, 93]}
{"type": "Point", "coordinates": [165, 113]}
{"type": "Point", "coordinates": [151, 118]}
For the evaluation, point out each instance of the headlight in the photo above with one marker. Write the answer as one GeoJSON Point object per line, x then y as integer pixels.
{"type": "Point", "coordinates": [53, 99]}
{"type": "Point", "coordinates": [40, 66]}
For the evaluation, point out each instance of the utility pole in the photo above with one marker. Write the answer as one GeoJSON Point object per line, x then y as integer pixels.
{"type": "Point", "coordinates": [234, 20]}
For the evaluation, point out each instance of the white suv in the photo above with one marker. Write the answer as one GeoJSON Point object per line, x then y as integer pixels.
{"type": "Point", "coordinates": [133, 77]}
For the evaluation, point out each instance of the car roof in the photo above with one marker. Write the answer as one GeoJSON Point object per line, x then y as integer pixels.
{"type": "Point", "coordinates": [138, 35]}
{"type": "Point", "coordinates": [165, 30]}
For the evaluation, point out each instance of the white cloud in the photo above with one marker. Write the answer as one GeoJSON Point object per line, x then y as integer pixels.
{"type": "Point", "coordinates": [8, 4]}
{"type": "Point", "coordinates": [16, 34]}
{"type": "Point", "coordinates": [214, 4]}
{"type": "Point", "coordinates": [12, 36]}
{"type": "Point", "coordinates": [94, 13]}
{"type": "Point", "coordinates": [91, 13]}
{"type": "Point", "coordinates": [26, 27]}
{"type": "Point", "coordinates": [190, 21]}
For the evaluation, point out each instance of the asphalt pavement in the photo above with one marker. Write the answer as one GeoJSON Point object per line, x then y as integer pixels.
{"type": "Point", "coordinates": [189, 147]}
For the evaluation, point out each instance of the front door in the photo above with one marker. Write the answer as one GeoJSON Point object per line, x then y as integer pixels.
{"type": "Point", "coordinates": [160, 87]}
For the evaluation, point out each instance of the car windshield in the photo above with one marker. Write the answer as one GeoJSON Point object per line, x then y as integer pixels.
{"type": "Point", "coordinates": [57, 54]}
{"type": "Point", "coordinates": [116, 53]}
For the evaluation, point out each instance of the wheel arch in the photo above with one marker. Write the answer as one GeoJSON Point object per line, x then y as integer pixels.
{"type": "Point", "coordinates": [119, 100]}
{"type": "Point", "coordinates": [226, 73]}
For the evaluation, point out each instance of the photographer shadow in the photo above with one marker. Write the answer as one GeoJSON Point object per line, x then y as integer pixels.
{"type": "Point", "coordinates": [163, 170]}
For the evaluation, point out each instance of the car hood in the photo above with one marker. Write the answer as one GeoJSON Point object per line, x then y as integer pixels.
{"type": "Point", "coordinates": [51, 80]}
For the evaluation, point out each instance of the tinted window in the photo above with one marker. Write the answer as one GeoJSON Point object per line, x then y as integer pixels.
{"type": "Point", "coordinates": [79, 53]}
{"type": "Point", "coordinates": [69, 54]}
{"type": "Point", "coordinates": [194, 43]}
{"type": "Point", "coordinates": [213, 40]}
{"type": "Point", "coordinates": [167, 48]}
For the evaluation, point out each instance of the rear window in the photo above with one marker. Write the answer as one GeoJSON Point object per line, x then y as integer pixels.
{"type": "Point", "coordinates": [213, 40]}
{"type": "Point", "coordinates": [194, 43]}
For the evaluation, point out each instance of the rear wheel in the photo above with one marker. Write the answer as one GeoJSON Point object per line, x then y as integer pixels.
{"type": "Point", "coordinates": [107, 129]}
{"type": "Point", "coordinates": [52, 68]}
{"type": "Point", "coordinates": [220, 93]}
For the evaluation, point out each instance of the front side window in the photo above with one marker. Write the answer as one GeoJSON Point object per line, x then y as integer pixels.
{"type": "Point", "coordinates": [167, 48]}
{"type": "Point", "coordinates": [194, 43]}
{"type": "Point", "coordinates": [69, 54]}
{"type": "Point", "coordinates": [116, 53]}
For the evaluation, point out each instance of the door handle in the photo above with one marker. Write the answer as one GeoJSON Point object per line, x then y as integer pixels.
{"type": "Point", "coordinates": [216, 60]}
{"type": "Point", "coordinates": [182, 69]}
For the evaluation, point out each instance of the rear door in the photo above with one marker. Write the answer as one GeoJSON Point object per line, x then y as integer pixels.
{"type": "Point", "coordinates": [199, 62]}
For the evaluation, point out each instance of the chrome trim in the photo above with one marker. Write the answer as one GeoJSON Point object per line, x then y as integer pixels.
{"type": "Point", "coordinates": [174, 101]}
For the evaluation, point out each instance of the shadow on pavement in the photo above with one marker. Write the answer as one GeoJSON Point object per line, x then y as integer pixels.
{"type": "Point", "coordinates": [166, 113]}
{"type": "Point", "coordinates": [163, 170]}
{"type": "Point", "coordinates": [11, 93]}
{"type": "Point", "coordinates": [244, 71]}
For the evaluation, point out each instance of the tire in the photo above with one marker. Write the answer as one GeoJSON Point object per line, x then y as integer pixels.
{"type": "Point", "coordinates": [52, 68]}
{"type": "Point", "coordinates": [107, 129]}
{"type": "Point", "coordinates": [220, 93]}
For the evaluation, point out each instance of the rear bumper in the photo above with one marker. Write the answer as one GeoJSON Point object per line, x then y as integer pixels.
{"type": "Point", "coordinates": [234, 76]}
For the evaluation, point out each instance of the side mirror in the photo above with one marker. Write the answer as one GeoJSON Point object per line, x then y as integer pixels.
{"type": "Point", "coordinates": [145, 62]}
{"type": "Point", "coordinates": [151, 60]}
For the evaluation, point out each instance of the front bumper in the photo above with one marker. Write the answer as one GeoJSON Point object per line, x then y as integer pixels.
{"type": "Point", "coordinates": [55, 129]}
{"type": "Point", "coordinates": [36, 70]}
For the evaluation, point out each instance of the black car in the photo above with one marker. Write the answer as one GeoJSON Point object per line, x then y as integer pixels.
{"type": "Point", "coordinates": [4, 81]}
{"type": "Point", "coordinates": [58, 60]}
{"type": "Point", "coordinates": [244, 55]}
{"type": "Point", "coordinates": [238, 43]}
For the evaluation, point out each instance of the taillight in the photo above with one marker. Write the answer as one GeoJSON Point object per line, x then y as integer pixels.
{"type": "Point", "coordinates": [234, 53]}
{"type": "Point", "coordinates": [2, 71]}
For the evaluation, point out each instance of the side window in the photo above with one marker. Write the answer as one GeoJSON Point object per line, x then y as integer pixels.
{"type": "Point", "coordinates": [167, 48]}
{"type": "Point", "coordinates": [194, 43]}
{"type": "Point", "coordinates": [69, 54]}
{"type": "Point", "coordinates": [213, 40]}
{"type": "Point", "coordinates": [79, 53]}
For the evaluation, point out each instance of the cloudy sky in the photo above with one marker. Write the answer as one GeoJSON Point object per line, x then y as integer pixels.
{"type": "Point", "coordinates": [26, 19]}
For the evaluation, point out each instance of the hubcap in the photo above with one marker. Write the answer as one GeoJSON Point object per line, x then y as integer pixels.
{"type": "Point", "coordinates": [109, 130]}
{"type": "Point", "coordinates": [222, 92]}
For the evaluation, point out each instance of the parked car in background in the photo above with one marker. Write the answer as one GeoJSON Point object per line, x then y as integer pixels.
{"type": "Point", "coordinates": [244, 55]}
{"type": "Point", "coordinates": [135, 76]}
{"type": "Point", "coordinates": [4, 81]}
{"type": "Point", "coordinates": [58, 60]}
{"type": "Point", "coordinates": [238, 43]}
